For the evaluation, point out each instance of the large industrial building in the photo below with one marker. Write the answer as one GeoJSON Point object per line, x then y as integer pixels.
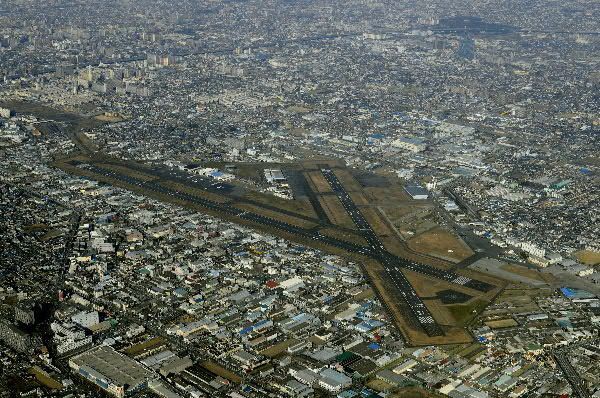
{"type": "Point", "coordinates": [416, 191]}
{"type": "Point", "coordinates": [410, 144]}
{"type": "Point", "coordinates": [274, 176]}
{"type": "Point", "coordinates": [112, 371]}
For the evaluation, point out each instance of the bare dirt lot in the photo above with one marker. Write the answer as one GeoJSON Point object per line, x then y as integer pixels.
{"type": "Point", "coordinates": [390, 195]}
{"type": "Point", "coordinates": [501, 323]}
{"type": "Point", "coordinates": [440, 243]}
{"type": "Point", "coordinates": [516, 300]}
{"type": "Point", "coordinates": [346, 178]}
{"type": "Point", "coordinates": [278, 348]}
{"type": "Point", "coordinates": [335, 211]}
{"type": "Point", "coordinates": [221, 371]}
{"type": "Point", "coordinates": [377, 222]}
{"type": "Point", "coordinates": [588, 257]}
{"type": "Point", "coordinates": [318, 183]}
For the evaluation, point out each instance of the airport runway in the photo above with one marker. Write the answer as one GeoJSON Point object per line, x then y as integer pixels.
{"type": "Point", "coordinates": [392, 264]}
{"type": "Point", "coordinates": [393, 273]}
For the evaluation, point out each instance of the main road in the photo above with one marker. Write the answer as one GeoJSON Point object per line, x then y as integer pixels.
{"type": "Point", "coordinates": [577, 384]}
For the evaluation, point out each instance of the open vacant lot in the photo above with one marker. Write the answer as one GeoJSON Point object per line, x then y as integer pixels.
{"type": "Point", "coordinates": [319, 184]}
{"type": "Point", "coordinates": [221, 371]}
{"type": "Point", "coordinates": [335, 211]}
{"type": "Point", "coordinates": [440, 243]}
{"type": "Point", "coordinates": [588, 257]}
{"type": "Point", "coordinates": [523, 271]}
{"type": "Point", "coordinates": [501, 323]}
